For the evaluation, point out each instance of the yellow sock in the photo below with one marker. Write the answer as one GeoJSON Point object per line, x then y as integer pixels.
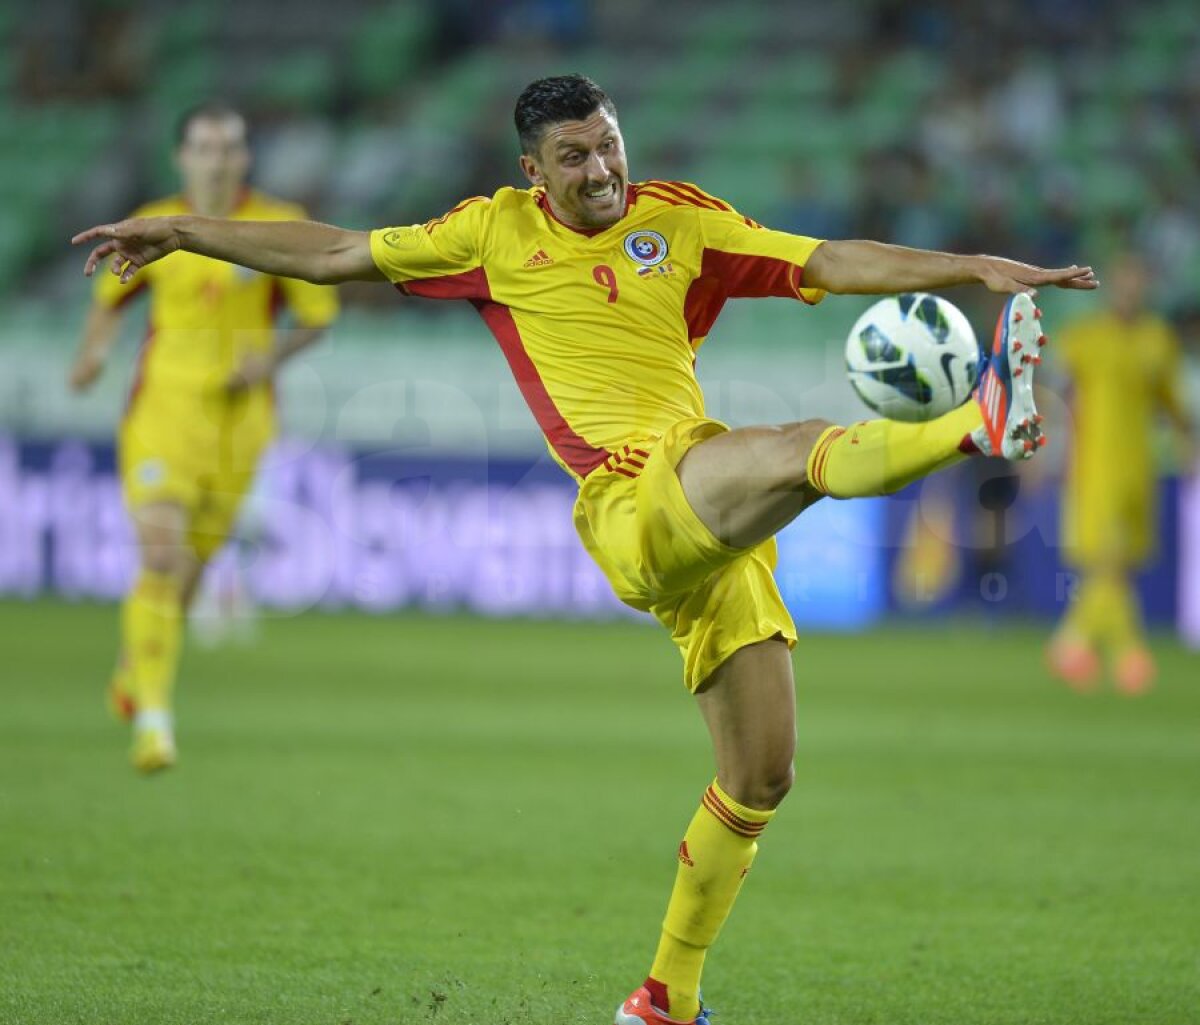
{"type": "Point", "coordinates": [877, 457]}
{"type": "Point", "coordinates": [715, 856]}
{"type": "Point", "coordinates": [152, 624]}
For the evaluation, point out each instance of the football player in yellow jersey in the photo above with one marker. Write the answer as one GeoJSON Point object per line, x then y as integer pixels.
{"type": "Point", "coordinates": [200, 412]}
{"type": "Point", "coordinates": [600, 291]}
{"type": "Point", "coordinates": [1123, 365]}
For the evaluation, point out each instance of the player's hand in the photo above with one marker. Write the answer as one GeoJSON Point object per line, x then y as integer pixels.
{"type": "Point", "coordinates": [255, 368]}
{"type": "Point", "coordinates": [1001, 275]}
{"type": "Point", "coordinates": [132, 244]}
{"type": "Point", "coordinates": [85, 370]}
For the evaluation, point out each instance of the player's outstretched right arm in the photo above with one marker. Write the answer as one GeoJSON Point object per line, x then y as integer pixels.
{"type": "Point", "coordinates": [320, 253]}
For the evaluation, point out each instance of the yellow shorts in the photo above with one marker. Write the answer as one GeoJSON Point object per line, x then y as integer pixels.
{"type": "Point", "coordinates": [170, 449]}
{"type": "Point", "coordinates": [659, 557]}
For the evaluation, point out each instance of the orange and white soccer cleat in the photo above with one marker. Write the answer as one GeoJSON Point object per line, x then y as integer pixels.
{"type": "Point", "coordinates": [1074, 662]}
{"type": "Point", "coordinates": [639, 1009]}
{"type": "Point", "coordinates": [1012, 427]}
{"type": "Point", "coordinates": [1134, 672]}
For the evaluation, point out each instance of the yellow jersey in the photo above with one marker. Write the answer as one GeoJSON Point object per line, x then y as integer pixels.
{"type": "Point", "coordinates": [600, 328]}
{"type": "Point", "coordinates": [205, 314]}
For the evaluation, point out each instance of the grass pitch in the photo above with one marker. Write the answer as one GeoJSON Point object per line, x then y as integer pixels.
{"type": "Point", "coordinates": [403, 820]}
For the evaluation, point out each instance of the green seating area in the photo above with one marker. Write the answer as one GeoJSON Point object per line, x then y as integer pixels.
{"type": "Point", "coordinates": [727, 104]}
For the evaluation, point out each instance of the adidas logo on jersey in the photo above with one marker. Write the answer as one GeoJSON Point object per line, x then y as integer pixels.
{"type": "Point", "coordinates": [538, 259]}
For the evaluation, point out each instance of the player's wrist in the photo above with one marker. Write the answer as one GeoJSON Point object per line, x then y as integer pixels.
{"type": "Point", "coordinates": [975, 268]}
{"type": "Point", "coordinates": [184, 231]}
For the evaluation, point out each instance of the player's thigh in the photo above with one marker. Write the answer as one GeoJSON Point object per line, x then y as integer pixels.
{"type": "Point", "coordinates": [159, 488]}
{"type": "Point", "coordinates": [747, 484]}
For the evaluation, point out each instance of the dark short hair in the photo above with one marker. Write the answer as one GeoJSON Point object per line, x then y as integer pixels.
{"type": "Point", "coordinates": [550, 100]}
{"type": "Point", "coordinates": [214, 110]}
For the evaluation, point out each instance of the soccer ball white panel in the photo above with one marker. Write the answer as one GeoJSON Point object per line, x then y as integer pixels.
{"type": "Point", "coordinates": [913, 357]}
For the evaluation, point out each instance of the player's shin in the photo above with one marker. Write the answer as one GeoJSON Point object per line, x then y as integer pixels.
{"type": "Point", "coordinates": [714, 857]}
{"type": "Point", "coordinates": [151, 625]}
{"type": "Point", "coordinates": [878, 457]}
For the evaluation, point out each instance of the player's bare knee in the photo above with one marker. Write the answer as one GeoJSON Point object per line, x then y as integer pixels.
{"type": "Point", "coordinates": [770, 786]}
{"type": "Point", "coordinates": [778, 785]}
{"type": "Point", "coordinates": [164, 559]}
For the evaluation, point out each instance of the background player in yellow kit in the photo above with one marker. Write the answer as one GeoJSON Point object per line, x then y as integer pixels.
{"type": "Point", "coordinates": [1124, 367]}
{"type": "Point", "coordinates": [200, 411]}
{"type": "Point", "coordinates": [599, 292]}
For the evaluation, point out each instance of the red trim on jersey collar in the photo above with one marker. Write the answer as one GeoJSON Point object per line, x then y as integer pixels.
{"type": "Point", "coordinates": [544, 202]}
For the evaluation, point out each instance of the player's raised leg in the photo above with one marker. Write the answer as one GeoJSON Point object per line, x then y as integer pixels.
{"type": "Point", "coordinates": [749, 706]}
{"type": "Point", "coordinates": [151, 629]}
{"type": "Point", "coordinates": [746, 484]}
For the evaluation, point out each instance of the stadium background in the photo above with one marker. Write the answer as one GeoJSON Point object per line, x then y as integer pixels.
{"type": "Point", "coordinates": [934, 126]}
{"type": "Point", "coordinates": [968, 845]}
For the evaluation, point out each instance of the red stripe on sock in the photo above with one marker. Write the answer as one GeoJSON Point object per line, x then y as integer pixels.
{"type": "Point", "coordinates": [821, 457]}
{"type": "Point", "coordinates": [743, 827]}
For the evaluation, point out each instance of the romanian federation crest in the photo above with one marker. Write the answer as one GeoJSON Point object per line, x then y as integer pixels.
{"type": "Point", "coordinates": [646, 248]}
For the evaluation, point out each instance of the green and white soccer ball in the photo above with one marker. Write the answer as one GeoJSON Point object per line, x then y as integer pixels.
{"type": "Point", "coordinates": [913, 357]}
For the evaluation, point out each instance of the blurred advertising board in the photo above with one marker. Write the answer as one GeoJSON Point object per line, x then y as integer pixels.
{"type": "Point", "coordinates": [328, 527]}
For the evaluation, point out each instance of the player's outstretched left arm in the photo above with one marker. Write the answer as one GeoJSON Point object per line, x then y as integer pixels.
{"type": "Point", "coordinates": [870, 268]}
{"type": "Point", "coordinates": [320, 253]}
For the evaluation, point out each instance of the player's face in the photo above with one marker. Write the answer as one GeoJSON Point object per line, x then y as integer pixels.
{"type": "Point", "coordinates": [582, 165]}
{"type": "Point", "coordinates": [1128, 282]}
{"type": "Point", "coordinates": [213, 158]}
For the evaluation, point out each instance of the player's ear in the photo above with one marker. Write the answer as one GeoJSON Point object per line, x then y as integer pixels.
{"type": "Point", "coordinates": [530, 169]}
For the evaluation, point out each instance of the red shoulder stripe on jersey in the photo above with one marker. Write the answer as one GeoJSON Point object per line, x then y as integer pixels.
{"type": "Point", "coordinates": [682, 197]}
{"type": "Point", "coordinates": [438, 221]}
{"type": "Point", "coordinates": [653, 194]}
{"type": "Point", "coordinates": [699, 193]}
{"type": "Point", "coordinates": [575, 452]}
{"type": "Point", "coordinates": [693, 197]}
